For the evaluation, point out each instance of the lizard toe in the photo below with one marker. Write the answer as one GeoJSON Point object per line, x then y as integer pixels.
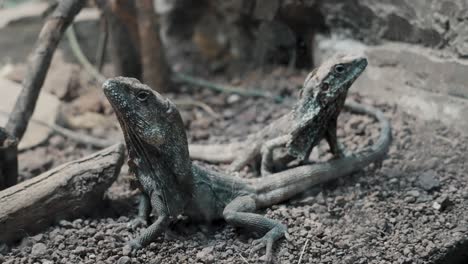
{"type": "Point", "coordinates": [134, 244]}
{"type": "Point", "coordinates": [137, 222]}
{"type": "Point", "coordinates": [266, 242]}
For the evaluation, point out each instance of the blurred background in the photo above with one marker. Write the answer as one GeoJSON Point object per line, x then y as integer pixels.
{"type": "Point", "coordinates": [233, 66]}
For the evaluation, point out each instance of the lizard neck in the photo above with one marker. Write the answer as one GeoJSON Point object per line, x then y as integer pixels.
{"type": "Point", "coordinates": [165, 170]}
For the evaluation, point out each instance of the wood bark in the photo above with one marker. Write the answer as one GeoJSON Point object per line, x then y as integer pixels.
{"type": "Point", "coordinates": [120, 16]}
{"type": "Point", "coordinates": [39, 63]}
{"type": "Point", "coordinates": [8, 160]}
{"type": "Point", "coordinates": [156, 71]}
{"type": "Point", "coordinates": [70, 190]}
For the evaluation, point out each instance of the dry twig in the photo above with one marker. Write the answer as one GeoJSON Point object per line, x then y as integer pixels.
{"type": "Point", "coordinates": [39, 63]}
{"type": "Point", "coordinates": [302, 252]}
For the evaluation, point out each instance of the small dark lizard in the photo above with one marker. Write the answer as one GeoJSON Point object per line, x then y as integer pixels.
{"type": "Point", "coordinates": [171, 185]}
{"type": "Point", "coordinates": [313, 118]}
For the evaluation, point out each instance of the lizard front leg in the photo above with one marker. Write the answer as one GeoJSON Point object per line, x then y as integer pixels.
{"type": "Point", "coordinates": [149, 234]}
{"type": "Point", "coordinates": [335, 147]}
{"type": "Point", "coordinates": [239, 213]}
{"type": "Point", "coordinates": [267, 153]}
{"type": "Point", "coordinates": [144, 210]}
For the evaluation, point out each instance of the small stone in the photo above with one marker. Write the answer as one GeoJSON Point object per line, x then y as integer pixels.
{"type": "Point", "coordinates": [428, 181]}
{"type": "Point", "coordinates": [233, 98]}
{"type": "Point", "coordinates": [124, 260]}
{"type": "Point", "coordinates": [80, 250]}
{"type": "Point", "coordinates": [126, 250]}
{"type": "Point", "coordinates": [413, 193]}
{"type": "Point", "coordinates": [65, 223]}
{"type": "Point", "coordinates": [37, 237]}
{"type": "Point", "coordinates": [38, 249]}
{"type": "Point", "coordinates": [393, 180]}
{"type": "Point", "coordinates": [441, 203]}
{"type": "Point", "coordinates": [205, 255]}
{"type": "Point", "coordinates": [410, 199]}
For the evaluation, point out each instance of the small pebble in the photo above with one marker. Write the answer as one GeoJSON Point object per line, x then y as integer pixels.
{"type": "Point", "coordinates": [38, 249]}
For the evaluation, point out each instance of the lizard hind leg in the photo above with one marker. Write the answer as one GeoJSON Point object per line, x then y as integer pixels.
{"type": "Point", "coordinates": [245, 158]}
{"type": "Point", "coordinates": [239, 213]}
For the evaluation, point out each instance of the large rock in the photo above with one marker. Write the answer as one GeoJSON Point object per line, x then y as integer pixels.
{"type": "Point", "coordinates": [46, 111]}
{"type": "Point", "coordinates": [434, 23]}
{"type": "Point", "coordinates": [421, 80]}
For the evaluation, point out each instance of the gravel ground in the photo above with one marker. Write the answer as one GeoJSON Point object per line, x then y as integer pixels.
{"type": "Point", "coordinates": [412, 209]}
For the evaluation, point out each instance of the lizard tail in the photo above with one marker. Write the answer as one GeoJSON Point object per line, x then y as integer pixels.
{"type": "Point", "coordinates": [215, 153]}
{"type": "Point", "coordinates": [286, 184]}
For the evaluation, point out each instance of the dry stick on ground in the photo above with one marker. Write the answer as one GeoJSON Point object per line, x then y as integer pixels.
{"type": "Point", "coordinates": [38, 64]}
{"type": "Point", "coordinates": [302, 252]}
{"type": "Point", "coordinates": [70, 190]}
{"type": "Point", "coordinates": [72, 135]}
{"type": "Point", "coordinates": [8, 160]}
{"type": "Point", "coordinates": [156, 70]}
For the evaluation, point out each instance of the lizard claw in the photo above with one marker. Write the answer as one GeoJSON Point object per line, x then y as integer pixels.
{"type": "Point", "coordinates": [134, 244]}
{"type": "Point", "coordinates": [264, 242]}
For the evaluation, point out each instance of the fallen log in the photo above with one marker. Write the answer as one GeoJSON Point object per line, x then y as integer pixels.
{"type": "Point", "coordinates": [68, 191]}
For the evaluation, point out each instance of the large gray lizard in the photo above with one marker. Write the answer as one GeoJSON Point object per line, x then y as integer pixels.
{"type": "Point", "coordinates": [172, 185]}
{"type": "Point", "coordinates": [312, 118]}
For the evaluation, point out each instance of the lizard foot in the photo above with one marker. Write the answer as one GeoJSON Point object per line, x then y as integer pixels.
{"type": "Point", "coordinates": [137, 222]}
{"type": "Point", "coordinates": [267, 241]}
{"type": "Point", "coordinates": [264, 242]}
{"type": "Point", "coordinates": [134, 244]}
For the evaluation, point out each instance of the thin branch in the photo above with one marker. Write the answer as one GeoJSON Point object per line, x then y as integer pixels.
{"type": "Point", "coordinates": [102, 44]}
{"type": "Point", "coordinates": [39, 63]}
{"type": "Point", "coordinates": [205, 107]}
{"type": "Point", "coordinates": [302, 252]}
{"type": "Point", "coordinates": [243, 259]}
{"type": "Point", "coordinates": [180, 77]}
{"type": "Point", "coordinates": [75, 47]}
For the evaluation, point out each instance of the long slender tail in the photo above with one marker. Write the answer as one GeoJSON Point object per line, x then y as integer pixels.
{"type": "Point", "coordinates": [216, 153]}
{"type": "Point", "coordinates": [286, 184]}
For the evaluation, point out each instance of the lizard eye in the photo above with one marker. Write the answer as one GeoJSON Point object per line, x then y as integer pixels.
{"type": "Point", "coordinates": [325, 87]}
{"type": "Point", "coordinates": [339, 68]}
{"type": "Point", "coordinates": [142, 96]}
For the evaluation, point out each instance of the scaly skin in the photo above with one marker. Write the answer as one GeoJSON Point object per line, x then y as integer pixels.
{"type": "Point", "coordinates": [312, 119]}
{"type": "Point", "coordinates": [159, 157]}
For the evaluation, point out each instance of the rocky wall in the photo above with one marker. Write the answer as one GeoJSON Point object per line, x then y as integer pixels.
{"type": "Point", "coordinates": [440, 24]}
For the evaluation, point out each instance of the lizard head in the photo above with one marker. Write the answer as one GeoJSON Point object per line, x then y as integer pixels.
{"type": "Point", "coordinates": [331, 79]}
{"type": "Point", "coordinates": [142, 111]}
